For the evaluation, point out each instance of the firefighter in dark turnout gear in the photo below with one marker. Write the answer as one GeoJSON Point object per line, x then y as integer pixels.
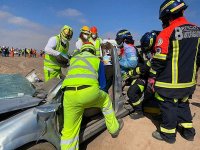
{"type": "Point", "coordinates": [136, 90]}
{"type": "Point", "coordinates": [173, 71]}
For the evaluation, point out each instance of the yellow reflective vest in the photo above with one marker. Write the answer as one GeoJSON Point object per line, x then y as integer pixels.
{"type": "Point", "coordinates": [50, 61]}
{"type": "Point", "coordinates": [97, 44]}
{"type": "Point", "coordinates": [83, 70]}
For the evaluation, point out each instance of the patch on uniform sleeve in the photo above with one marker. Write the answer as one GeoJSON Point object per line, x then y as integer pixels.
{"type": "Point", "coordinates": [160, 41]}
{"type": "Point", "coordinates": [158, 50]}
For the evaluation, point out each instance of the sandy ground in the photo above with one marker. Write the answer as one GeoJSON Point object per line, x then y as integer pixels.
{"type": "Point", "coordinates": [134, 135]}
{"type": "Point", "coordinates": [21, 65]}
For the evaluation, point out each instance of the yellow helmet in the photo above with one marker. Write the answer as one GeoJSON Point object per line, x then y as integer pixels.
{"type": "Point", "coordinates": [85, 29]}
{"type": "Point", "coordinates": [66, 33]}
{"type": "Point", "coordinates": [88, 46]}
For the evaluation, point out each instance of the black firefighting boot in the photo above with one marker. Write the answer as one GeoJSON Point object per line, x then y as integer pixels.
{"type": "Point", "coordinates": [187, 134]}
{"type": "Point", "coordinates": [137, 114]}
{"type": "Point", "coordinates": [157, 135]}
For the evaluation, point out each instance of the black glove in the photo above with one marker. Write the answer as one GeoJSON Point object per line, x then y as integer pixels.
{"type": "Point", "coordinates": [143, 69]}
{"type": "Point", "coordinates": [62, 60]}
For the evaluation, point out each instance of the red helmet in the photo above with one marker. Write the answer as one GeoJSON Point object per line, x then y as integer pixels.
{"type": "Point", "coordinates": [93, 30]}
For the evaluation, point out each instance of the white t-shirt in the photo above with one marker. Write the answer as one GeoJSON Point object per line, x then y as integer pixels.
{"type": "Point", "coordinates": [79, 44]}
{"type": "Point", "coordinates": [51, 46]}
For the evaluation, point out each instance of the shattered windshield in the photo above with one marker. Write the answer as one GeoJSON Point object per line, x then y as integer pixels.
{"type": "Point", "coordinates": [14, 85]}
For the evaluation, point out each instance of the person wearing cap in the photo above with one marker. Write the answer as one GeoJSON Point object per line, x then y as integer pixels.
{"type": "Point", "coordinates": [82, 88]}
{"type": "Point", "coordinates": [96, 41]}
{"type": "Point", "coordinates": [56, 53]}
{"type": "Point", "coordinates": [83, 37]}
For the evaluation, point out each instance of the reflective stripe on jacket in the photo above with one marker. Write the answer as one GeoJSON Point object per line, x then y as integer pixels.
{"type": "Point", "coordinates": [174, 63]}
{"type": "Point", "coordinates": [97, 44]}
{"type": "Point", "coordinates": [83, 70]}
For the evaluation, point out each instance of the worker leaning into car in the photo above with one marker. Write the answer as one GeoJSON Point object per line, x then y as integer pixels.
{"type": "Point", "coordinates": [136, 90]}
{"type": "Point", "coordinates": [56, 52]}
{"type": "Point", "coordinates": [82, 86]}
{"type": "Point", "coordinates": [173, 71]}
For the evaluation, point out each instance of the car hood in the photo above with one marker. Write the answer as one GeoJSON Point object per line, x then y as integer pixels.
{"type": "Point", "coordinates": [12, 104]}
{"type": "Point", "coordinates": [16, 93]}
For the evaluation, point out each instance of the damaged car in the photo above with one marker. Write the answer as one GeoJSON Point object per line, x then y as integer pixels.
{"type": "Point", "coordinates": [32, 116]}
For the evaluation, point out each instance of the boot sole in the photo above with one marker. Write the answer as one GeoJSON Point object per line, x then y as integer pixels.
{"type": "Point", "coordinates": [115, 135]}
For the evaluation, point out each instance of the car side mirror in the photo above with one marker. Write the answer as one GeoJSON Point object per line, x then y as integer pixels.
{"type": "Point", "coordinates": [47, 111]}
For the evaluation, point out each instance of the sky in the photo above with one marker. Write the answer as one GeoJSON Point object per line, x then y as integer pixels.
{"type": "Point", "coordinates": [30, 23]}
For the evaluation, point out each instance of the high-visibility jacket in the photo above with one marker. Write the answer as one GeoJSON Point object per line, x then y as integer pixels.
{"type": "Point", "coordinates": [50, 61]}
{"type": "Point", "coordinates": [97, 44]}
{"type": "Point", "coordinates": [174, 63]}
{"type": "Point", "coordinates": [83, 70]}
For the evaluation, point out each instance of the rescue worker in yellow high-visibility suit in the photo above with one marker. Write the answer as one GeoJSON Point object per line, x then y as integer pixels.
{"type": "Point", "coordinates": [82, 86]}
{"type": "Point", "coordinates": [96, 41]}
{"type": "Point", "coordinates": [83, 37]}
{"type": "Point", "coordinates": [56, 53]}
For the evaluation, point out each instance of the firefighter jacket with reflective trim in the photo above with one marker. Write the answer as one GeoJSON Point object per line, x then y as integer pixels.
{"type": "Point", "coordinates": [176, 57]}
{"type": "Point", "coordinates": [97, 44]}
{"type": "Point", "coordinates": [143, 67]}
{"type": "Point", "coordinates": [50, 61]}
{"type": "Point", "coordinates": [83, 70]}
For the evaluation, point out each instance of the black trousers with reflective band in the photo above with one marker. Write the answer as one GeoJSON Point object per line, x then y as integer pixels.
{"type": "Point", "coordinates": [135, 94]}
{"type": "Point", "coordinates": [175, 112]}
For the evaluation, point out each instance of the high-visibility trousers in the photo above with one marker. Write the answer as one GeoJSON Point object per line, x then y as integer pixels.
{"type": "Point", "coordinates": [175, 113]}
{"type": "Point", "coordinates": [75, 101]}
{"type": "Point", "coordinates": [51, 73]}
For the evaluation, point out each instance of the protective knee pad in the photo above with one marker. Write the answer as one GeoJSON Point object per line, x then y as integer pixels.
{"type": "Point", "coordinates": [134, 93]}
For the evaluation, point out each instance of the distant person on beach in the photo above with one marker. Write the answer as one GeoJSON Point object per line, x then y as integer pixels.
{"type": "Point", "coordinates": [3, 51]}
{"type": "Point", "coordinates": [12, 52]}
{"type": "Point", "coordinates": [34, 53]}
{"type": "Point", "coordinates": [28, 52]}
{"type": "Point", "coordinates": [7, 52]}
{"type": "Point", "coordinates": [25, 52]}
{"type": "Point", "coordinates": [19, 52]}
